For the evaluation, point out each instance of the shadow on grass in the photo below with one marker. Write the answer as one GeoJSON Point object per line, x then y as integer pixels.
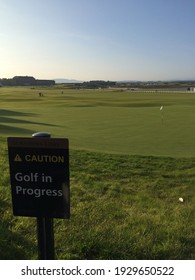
{"type": "Point", "coordinates": [4, 112]}
{"type": "Point", "coordinates": [6, 129]}
{"type": "Point", "coordinates": [5, 120]}
{"type": "Point", "coordinates": [14, 246]}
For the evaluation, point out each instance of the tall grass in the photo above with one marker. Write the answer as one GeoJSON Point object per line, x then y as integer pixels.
{"type": "Point", "coordinates": [122, 207]}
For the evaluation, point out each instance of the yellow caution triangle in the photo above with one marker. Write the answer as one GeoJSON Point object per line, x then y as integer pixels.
{"type": "Point", "coordinates": [17, 158]}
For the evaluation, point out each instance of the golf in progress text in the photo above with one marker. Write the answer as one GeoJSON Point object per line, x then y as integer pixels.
{"type": "Point", "coordinates": [32, 177]}
{"type": "Point", "coordinates": [36, 192]}
{"type": "Point", "coordinates": [39, 170]}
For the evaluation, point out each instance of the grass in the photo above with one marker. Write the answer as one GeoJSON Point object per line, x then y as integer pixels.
{"type": "Point", "coordinates": [122, 207]}
{"type": "Point", "coordinates": [104, 121]}
{"type": "Point", "coordinates": [124, 191]}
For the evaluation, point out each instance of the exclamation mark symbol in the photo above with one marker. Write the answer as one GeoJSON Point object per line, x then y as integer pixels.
{"type": "Point", "coordinates": [17, 158]}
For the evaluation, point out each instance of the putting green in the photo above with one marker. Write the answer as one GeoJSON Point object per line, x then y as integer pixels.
{"type": "Point", "coordinates": [104, 120]}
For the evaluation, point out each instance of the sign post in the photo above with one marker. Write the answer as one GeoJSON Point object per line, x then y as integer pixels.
{"type": "Point", "coordinates": [45, 232]}
{"type": "Point", "coordinates": [39, 172]}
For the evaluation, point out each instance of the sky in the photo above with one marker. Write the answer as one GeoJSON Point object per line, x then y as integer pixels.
{"type": "Point", "coordinates": [98, 39]}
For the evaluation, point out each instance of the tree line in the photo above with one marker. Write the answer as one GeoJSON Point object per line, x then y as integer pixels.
{"type": "Point", "coordinates": [97, 84]}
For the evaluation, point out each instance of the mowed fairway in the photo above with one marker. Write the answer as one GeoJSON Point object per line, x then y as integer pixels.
{"type": "Point", "coordinates": [104, 120]}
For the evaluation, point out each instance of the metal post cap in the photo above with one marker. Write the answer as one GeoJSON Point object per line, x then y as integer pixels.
{"type": "Point", "coordinates": [41, 134]}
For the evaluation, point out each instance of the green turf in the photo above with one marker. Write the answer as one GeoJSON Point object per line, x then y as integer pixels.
{"type": "Point", "coordinates": [104, 120]}
{"type": "Point", "coordinates": [129, 166]}
{"type": "Point", "coordinates": [122, 207]}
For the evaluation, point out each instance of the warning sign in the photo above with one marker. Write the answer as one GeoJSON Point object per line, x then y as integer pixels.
{"type": "Point", "coordinates": [39, 172]}
{"type": "Point", "coordinates": [17, 158]}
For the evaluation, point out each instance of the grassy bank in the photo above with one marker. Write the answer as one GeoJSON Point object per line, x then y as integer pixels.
{"type": "Point", "coordinates": [122, 207]}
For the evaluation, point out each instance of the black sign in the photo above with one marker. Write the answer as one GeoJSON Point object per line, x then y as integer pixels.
{"type": "Point", "coordinates": [39, 171]}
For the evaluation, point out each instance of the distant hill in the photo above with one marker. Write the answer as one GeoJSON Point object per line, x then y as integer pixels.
{"type": "Point", "coordinates": [66, 81]}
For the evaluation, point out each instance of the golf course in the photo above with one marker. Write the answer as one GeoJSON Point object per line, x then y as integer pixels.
{"type": "Point", "coordinates": [132, 157]}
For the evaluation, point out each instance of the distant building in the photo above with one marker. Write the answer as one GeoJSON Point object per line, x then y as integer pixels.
{"type": "Point", "coordinates": [45, 82]}
{"type": "Point", "coordinates": [25, 81]}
